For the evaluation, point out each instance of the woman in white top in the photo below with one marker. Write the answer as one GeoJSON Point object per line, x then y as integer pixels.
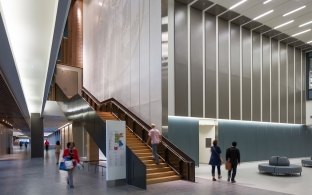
{"type": "Point", "coordinates": [57, 151]}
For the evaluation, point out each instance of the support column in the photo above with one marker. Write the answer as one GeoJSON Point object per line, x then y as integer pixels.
{"type": "Point", "coordinates": [77, 130]}
{"type": "Point", "coordinates": [36, 126]}
{"type": "Point", "coordinates": [93, 149]}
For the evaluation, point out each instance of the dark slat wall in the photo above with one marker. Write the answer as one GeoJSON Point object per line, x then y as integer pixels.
{"type": "Point", "coordinates": [181, 57]}
{"type": "Point", "coordinates": [283, 83]}
{"type": "Point", "coordinates": [256, 77]}
{"type": "Point", "coordinates": [196, 64]}
{"type": "Point", "coordinates": [223, 74]}
{"type": "Point", "coordinates": [266, 93]}
{"type": "Point", "coordinates": [235, 72]}
{"type": "Point", "coordinates": [274, 82]}
{"type": "Point", "coordinates": [291, 95]}
{"type": "Point", "coordinates": [247, 76]}
{"type": "Point", "coordinates": [298, 86]}
{"type": "Point", "coordinates": [210, 67]}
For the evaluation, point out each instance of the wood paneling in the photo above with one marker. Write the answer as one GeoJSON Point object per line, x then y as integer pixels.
{"type": "Point", "coordinates": [71, 46]}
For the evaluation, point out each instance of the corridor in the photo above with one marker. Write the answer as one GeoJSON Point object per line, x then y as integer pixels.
{"type": "Point", "coordinates": [22, 175]}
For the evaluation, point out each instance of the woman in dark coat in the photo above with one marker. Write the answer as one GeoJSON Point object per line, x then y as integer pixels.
{"type": "Point", "coordinates": [215, 160]}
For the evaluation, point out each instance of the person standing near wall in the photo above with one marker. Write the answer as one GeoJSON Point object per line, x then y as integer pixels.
{"type": "Point", "coordinates": [71, 153]}
{"type": "Point", "coordinates": [233, 155]}
{"type": "Point", "coordinates": [57, 151]}
{"type": "Point", "coordinates": [155, 137]}
{"type": "Point", "coordinates": [215, 160]}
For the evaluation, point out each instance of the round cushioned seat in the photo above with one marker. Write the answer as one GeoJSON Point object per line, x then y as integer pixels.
{"type": "Point", "coordinates": [306, 162]}
{"type": "Point", "coordinates": [280, 166]}
{"type": "Point", "coordinates": [266, 168]}
{"type": "Point", "coordinates": [291, 169]}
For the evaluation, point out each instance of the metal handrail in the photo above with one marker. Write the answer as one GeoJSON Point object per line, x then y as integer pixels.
{"type": "Point", "coordinates": [110, 103]}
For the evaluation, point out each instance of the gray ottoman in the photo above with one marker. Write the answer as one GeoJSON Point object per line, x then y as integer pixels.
{"type": "Point", "coordinates": [280, 165]}
{"type": "Point", "coordinates": [266, 168]}
{"type": "Point", "coordinates": [306, 162]}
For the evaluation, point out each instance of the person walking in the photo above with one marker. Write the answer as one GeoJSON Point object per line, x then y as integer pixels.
{"type": "Point", "coordinates": [46, 144]}
{"type": "Point", "coordinates": [215, 160]}
{"type": "Point", "coordinates": [71, 153]}
{"type": "Point", "coordinates": [233, 156]}
{"type": "Point", "coordinates": [155, 137]}
{"type": "Point", "coordinates": [57, 151]}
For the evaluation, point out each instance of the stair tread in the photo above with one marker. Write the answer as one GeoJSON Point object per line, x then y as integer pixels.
{"type": "Point", "coordinates": [163, 179]}
{"type": "Point", "coordinates": [155, 173]}
{"type": "Point", "coordinates": [171, 176]}
{"type": "Point", "coordinates": [162, 172]}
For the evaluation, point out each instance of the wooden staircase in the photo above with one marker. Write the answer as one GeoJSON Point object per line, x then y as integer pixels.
{"type": "Point", "coordinates": [154, 173]}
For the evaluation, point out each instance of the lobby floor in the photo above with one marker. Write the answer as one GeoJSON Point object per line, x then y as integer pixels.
{"type": "Point", "coordinates": [22, 175]}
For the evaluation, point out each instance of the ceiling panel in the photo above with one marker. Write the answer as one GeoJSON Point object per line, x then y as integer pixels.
{"type": "Point", "coordinates": [185, 1]}
{"type": "Point", "coordinates": [216, 10]}
{"type": "Point", "coordinates": [202, 4]}
{"type": "Point", "coordinates": [281, 36]}
{"type": "Point", "coordinates": [241, 20]}
{"type": "Point", "coordinates": [289, 40]}
{"type": "Point", "coordinates": [252, 8]}
{"type": "Point", "coordinates": [229, 15]}
{"type": "Point", "coordinates": [272, 33]}
{"type": "Point", "coordinates": [9, 110]}
{"type": "Point", "coordinates": [297, 43]}
{"type": "Point", "coordinates": [262, 29]}
{"type": "Point", "coordinates": [252, 25]}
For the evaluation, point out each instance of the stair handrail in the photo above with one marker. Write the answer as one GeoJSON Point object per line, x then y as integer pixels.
{"type": "Point", "coordinates": [138, 120]}
{"type": "Point", "coordinates": [170, 146]}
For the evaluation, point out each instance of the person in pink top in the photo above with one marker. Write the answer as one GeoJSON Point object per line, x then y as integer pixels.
{"type": "Point", "coordinates": [155, 137]}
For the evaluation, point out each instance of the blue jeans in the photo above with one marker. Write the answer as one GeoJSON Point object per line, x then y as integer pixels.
{"type": "Point", "coordinates": [70, 177]}
{"type": "Point", "coordinates": [154, 147]}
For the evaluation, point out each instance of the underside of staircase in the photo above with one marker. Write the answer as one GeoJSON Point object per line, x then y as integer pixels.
{"type": "Point", "coordinates": [154, 173]}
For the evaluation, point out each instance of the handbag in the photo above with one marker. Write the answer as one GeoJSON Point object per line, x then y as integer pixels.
{"type": "Point", "coordinates": [228, 165]}
{"type": "Point", "coordinates": [62, 166]}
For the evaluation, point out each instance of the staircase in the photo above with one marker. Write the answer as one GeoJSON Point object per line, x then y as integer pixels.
{"type": "Point", "coordinates": [154, 173]}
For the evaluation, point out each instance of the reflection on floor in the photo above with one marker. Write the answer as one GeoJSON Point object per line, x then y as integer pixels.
{"type": "Point", "coordinates": [41, 176]}
{"type": "Point", "coordinates": [248, 175]}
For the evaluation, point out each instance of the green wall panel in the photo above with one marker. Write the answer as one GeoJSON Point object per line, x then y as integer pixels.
{"type": "Point", "coordinates": [259, 141]}
{"type": "Point", "coordinates": [184, 133]}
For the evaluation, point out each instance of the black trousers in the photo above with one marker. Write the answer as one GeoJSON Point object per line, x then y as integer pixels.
{"type": "Point", "coordinates": [213, 168]}
{"type": "Point", "coordinates": [232, 172]}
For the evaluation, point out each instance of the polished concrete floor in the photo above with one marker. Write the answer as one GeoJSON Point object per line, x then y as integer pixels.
{"type": "Point", "coordinates": [248, 175]}
{"type": "Point", "coordinates": [21, 175]}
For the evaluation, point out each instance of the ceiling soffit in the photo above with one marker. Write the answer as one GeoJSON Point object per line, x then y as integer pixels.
{"type": "Point", "coordinates": [244, 13]}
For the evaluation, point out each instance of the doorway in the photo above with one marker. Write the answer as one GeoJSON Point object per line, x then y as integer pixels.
{"type": "Point", "coordinates": [207, 133]}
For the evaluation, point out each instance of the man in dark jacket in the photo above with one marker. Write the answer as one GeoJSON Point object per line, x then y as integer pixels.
{"type": "Point", "coordinates": [233, 155]}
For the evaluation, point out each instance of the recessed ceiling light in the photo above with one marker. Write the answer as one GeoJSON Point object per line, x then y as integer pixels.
{"type": "Point", "coordinates": [299, 33]}
{"type": "Point", "coordinates": [237, 4]}
{"type": "Point", "coordinates": [100, 3]}
{"type": "Point", "coordinates": [309, 41]}
{"type": "Point", "coordinates": [264, 14]}
{"type": "Point", "coordinates": [284, 24]}
{"type": "Point", "coordinates": [305, 24]}
{"type": "Point", "coordinates": [267, 2]}
{"type": "Point", "coordinates": [295, 10]}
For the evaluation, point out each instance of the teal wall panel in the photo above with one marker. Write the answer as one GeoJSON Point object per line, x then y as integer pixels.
{"type": "Point", "coordinates": [184, 133]}
{"type": "Point", "coordinates": [259, 141]}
